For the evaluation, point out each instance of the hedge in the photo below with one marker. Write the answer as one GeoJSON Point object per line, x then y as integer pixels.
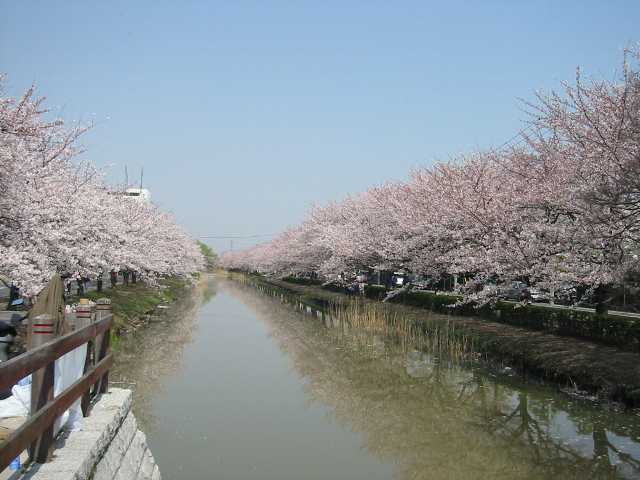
{"type": "Point", "coordinates": [375, 292]}
{"type": "Point", "coordinates": [610, 329]}
{"type": "Point", "coordinates": [332, 287]}
{"type": "Point", "coordinates": [302, 281]}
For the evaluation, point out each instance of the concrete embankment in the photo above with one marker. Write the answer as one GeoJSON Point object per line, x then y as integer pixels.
{"type": "Point", "coordinates": [109, 447]}
{"type": "Point", "coordinates": [605, 371]}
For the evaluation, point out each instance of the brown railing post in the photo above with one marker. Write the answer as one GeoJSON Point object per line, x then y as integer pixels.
{"type": "Point", "coordinates": [103, 342]}
{"type": "Point", "coordinates": [83, 319]}
{"type": "Point", "coordinates": [43, 330]}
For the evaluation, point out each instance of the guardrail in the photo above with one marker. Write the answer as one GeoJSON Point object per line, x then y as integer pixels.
{"type": "Point", "coordinates": [36, 434]}
{"type": "Point", "coordinates": [553, 306]}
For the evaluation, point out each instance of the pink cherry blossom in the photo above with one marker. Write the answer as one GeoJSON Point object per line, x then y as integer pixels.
{"type": "Point", "coordinates": [562, 205]}
{"type": "Point", "coordinates": [57, 214]}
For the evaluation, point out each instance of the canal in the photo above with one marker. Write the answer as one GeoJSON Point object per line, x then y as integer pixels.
{"type": "Point", "coordinates": [234, 383]}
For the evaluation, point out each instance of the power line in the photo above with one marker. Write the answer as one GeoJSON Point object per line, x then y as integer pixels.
{"type": "Point", "coordinates": [229, 237]}
{"type": "Point", "coordinates": [519, 135]}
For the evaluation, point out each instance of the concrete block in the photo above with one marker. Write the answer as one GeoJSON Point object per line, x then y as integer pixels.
{"type": "Point", "coordinates": [79, 441]}
{"type": "Point", "coordinates": [147, 466]}
{"type": "Point", "coordinates": [133, 458]}
{"type": "Point", "coordinates": [49, 475]}
{"type": "Point", "coordinates": [109, 447]}
{"type": "Point", "coordinates": [109, 412]}
{"type": "Point", "coordinates": [42, 471]}
{"type": "Point", "coordinates": [107, 466]}
{"type": "Point", "coordinates": [156, 474]}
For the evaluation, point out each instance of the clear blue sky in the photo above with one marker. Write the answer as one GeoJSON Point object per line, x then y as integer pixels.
{"type": "Point", "coordinates": [246, 113]}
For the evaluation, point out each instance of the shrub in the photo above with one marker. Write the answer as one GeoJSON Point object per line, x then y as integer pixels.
{"type": "Point", "coordinates": [375, 292]}
{"type": "Point", "coordinates": [612, 330]}
{"type": "Point", "coordinates": [334, 287]}
{"type": "Point", "coordinates": [302, 280]}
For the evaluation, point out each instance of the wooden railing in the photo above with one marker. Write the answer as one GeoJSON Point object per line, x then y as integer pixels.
{"type": "Point", "coordinates": [36, 434]}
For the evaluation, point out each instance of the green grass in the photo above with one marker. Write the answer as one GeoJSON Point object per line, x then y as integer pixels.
{"type": "Point", "coordinates": [131, 302]}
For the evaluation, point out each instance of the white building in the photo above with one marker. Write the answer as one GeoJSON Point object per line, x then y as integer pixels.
{"type": "Point", "coordinates": [141, 194]}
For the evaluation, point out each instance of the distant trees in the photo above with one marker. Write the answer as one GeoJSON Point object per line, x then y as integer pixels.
{"type": "Point", "coordinates": [210, 257]}
{"type": "Point", "coordinates": [57, 215]}
{"type": "Point", "coordinates": [561, 206]}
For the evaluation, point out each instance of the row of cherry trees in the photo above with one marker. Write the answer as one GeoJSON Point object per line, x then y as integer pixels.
{"type": "Point", "coordinates": [562, 204]}
{"type": "Point", "coordinates": [57, 215]}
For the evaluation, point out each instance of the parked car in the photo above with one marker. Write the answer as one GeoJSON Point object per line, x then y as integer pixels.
{"type": "Point", "coordinates": [489, 289]}
{"type": "Point", "coordinates": [421, 285]}
{"type": "Point", "coordinates": [398, 279]}
{"type": "Point", "coordinates": [515, 290]}
{"type": "Point", "coordinates": [566, 295]}
{"type": "Point", "coordinates": [362, 277]}
{"type": "Point", "coordinates": [539, 295]}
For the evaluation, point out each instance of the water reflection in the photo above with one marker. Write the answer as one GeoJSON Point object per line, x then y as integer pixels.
{"type": "Point", "coordinates": [434, 418]}
{"type": "Point", "coordinates": [149, 356]}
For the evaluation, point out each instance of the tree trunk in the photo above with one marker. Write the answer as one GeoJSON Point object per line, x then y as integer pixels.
{"type": "Point", "coordinates": [601, 299]}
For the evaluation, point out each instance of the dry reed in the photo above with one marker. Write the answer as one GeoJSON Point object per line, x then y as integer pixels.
{"type": "Point", "coordinates": [435, 335]}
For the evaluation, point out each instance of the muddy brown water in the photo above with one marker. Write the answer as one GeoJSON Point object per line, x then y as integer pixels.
{"type": "Point", "coordinates": [233, 383]}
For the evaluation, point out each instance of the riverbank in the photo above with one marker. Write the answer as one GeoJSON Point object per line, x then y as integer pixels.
{"type": "Point", "coordinates": [580, 366]}
{"type": "Point", "coordinates": [134, 304]}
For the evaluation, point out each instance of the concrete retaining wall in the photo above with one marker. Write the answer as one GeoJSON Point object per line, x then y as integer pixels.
{"type": "Point", "coordinates": [109, 447]}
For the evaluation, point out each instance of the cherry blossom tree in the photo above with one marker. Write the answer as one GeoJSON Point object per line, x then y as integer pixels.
{"type": "Point", "coordinates": [562, 207]}
{"type": "Point", "coordinates": [57, 215]}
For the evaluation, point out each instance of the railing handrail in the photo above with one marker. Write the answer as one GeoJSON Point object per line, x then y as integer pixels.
{"type": "Point", "coordinates": [17, 368]}
{"type": "Point", "coordinates": [32, 429]}
{"type": "Point", "coordinates": [36, 433]}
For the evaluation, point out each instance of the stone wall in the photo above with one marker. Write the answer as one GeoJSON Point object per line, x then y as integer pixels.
{"type": "Point", "coordinates": [109, 447]}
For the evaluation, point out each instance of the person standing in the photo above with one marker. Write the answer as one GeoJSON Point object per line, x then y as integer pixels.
{"type": "Point", "coordinates": [14, 294]}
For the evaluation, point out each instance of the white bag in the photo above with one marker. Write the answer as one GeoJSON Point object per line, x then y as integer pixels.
{"type": "Point", "coordinates": [67, 370]}
{"type": "Point", "coordinates": [12, 407]}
